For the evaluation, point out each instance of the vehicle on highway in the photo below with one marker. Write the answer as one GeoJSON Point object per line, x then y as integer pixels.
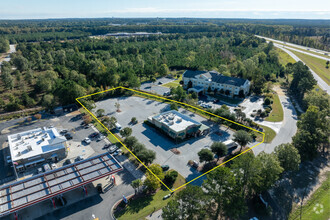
{"type": "Point", "coordinates": [87, 140]}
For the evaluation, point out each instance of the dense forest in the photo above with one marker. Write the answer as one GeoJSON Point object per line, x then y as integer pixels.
{"type": "Point", "coordinates": [46, 71]}
{"type": "Point", "coordinates": [312, 33]}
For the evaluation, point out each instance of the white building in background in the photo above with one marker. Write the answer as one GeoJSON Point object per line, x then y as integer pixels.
{"type": "Point", "coordinates": [31, 148]}
{"type": "Point", "coordinates": [201, 81]}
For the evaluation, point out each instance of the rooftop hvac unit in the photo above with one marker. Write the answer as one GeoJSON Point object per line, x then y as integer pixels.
{"type": "Point", "coordinates": [171, 123]}
{"type": "Point", "coordinates": [19, 153]}
{"type": "Point", "coordinates": [29, 148]}
{"type": "Point", "coordinates": [179, 119]}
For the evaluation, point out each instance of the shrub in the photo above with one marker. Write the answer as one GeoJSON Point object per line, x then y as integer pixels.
{"type": "Point", "coordinates": [267, 101]}
{"type": "Point", "coordinates": [170, 177]}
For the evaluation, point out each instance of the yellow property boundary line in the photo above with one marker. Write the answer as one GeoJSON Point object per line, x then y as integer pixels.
{"type": "Point", "coordinates": [181, 103]}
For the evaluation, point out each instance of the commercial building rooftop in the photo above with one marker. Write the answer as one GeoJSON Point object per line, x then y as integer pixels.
{"type": "Point", "coordinates": [34, 142]}
{"type": "Point", "coordinates": [175, 120]}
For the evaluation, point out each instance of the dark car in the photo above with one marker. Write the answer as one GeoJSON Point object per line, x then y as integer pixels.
{"type": "Point", "coordinates": [62, 132]}
{"type": "Point", "coordinates": [67, 161]}
{"type": "Point", "coordinates": [94, 135]}
{"type": "Point", "coordinates": [99, 188]}
{"type": "Point", "coordinates": [68, 136]}
{"type": "Point", "coordinates": [160, 83]}
{"type": "Point", "coordinates": [106, 146]}
{"type": "Point", "coordinates": [165, 167]}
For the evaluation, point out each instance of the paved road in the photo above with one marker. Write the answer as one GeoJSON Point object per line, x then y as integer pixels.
{"type": "Point", "coordinates": [286, 131]}
{"type": "Point", "coordinates": [323, 85]}
{"type": "Point", "coordinates": [299, 47]}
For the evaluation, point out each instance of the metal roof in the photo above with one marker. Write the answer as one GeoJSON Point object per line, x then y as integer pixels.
{"type": "Point", "coordinates": [27, 192]}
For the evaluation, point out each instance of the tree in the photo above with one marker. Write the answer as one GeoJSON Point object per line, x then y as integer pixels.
{"type": "Point", "coordinates": [190, 84]}
{"type": "Point", "coordinates": [313, 130]}
{"type": "Point", "coordinates": [151, 182]}
{"type": "Point", "coordinates": [7, 79]}
{"type": "Point", "coordinates": [242, 138]}
{"type": "Point", "coordinates": [173, 106]}
{"type": "Point", "coordinates": [87, 119]}
{"type": "Point", "coordinates": [130, 142]}
{"type": "Point", "coordinates": [4, 45]}
{"type": "Point", "coordinates": [38, 116]}
{"type": "Point", "coordinates": [134, 120]}
{"type": "Point", "coordinates": [220, 186]}
{"type": "Point", "coordinates": [219, 148]}
{"type": "Point", "coordinates": [163, 70]}
{"type": "Point", "coordinates": [288, 156]}
{"type": "Point", "coordinates": [188, 204]}
{"type": "Point", "coordinates": [100, 112]}
{"type": "Point", "coordinates": [178, 93]}
{"type": "Point", "coordinates": [136, 185]}
{"type": "Point", "coordinates": [170, 177]}
{"type": "Point", "coordinates": [205, 155]}
{"type": "Point", "coordinates": [138, 147]}
{"type": "Point", "coordinates": [117, 105]}
{"type": "Point", "coordinates": [110, 122]}
{"type": "Point", "coordinates": [269, 172]}
{"type": "Point", "coordinates": [20, 62]}
{"type": "Point", "coordinates": [126, 132]}
{"type": "Point", "coordinates": [146, 156]}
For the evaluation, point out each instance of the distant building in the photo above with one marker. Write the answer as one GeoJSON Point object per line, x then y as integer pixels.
{"type": "Point", "coordinates": [37, 146]}
{"type": "Point", "coordinates": [177, 125]}
{"type": "Point", "coordinates": [201, 81]}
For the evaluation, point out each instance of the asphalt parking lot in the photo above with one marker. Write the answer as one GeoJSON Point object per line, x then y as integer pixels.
{"type": "Point", "coordinates": [142, 108]}
{"type": "Point", "coordinates": [156, 86]}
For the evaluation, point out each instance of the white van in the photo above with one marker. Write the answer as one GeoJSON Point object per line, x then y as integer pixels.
{"type": "Point", "coordinates": [118, 126]}
{"type": "Point", "coordinates": [230, 144]}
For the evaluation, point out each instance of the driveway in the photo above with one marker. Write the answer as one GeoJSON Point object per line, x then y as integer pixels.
{"type": "Point", "coordinates": [287, 129]}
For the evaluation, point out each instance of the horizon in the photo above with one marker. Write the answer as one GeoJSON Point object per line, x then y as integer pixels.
{"type": "Point", "coordinates": [239, 9]}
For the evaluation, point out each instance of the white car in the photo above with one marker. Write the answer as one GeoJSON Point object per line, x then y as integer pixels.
{"type": "Point", "coordinates": [87, 140]}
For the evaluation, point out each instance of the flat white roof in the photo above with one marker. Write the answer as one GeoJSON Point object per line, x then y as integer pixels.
{"type": "Point", "coordinates": [32, 143]}
{"type": "Point", "coordinates": [175, 120]}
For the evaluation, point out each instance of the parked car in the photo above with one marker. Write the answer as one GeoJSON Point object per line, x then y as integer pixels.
{"type": "Point", "coordinates": [167, 196]}
{"type": "Point", "coordinates": [39, 170]}
{"type": "Point", "coordinates": [195, 164]}
{"type": "Point", "coordinates": [99, 188]}
{"type": "Point", "coordinates": [159, 83]}
{"type": "Point", "coordinates": [106, 146]}
{"type": "Point", "coordinates": [165, 167]}
{"type": "Point", "coordinates": [79, 158]}
{"type": "Point", "coordinates": [64, 131]}
{"type": "Point", "coordinates": [68, 136]}
{"type": "Point", "coordinates": [113, 148]}
{"type": "Point", "coordinates": [87, 140]}
{"type": "Point", "coordinates": [53, 166]}
{"type": "Point", "coordinates": [67, 161]}
{"type": "Point", "coordinates": [94, 135]}
{"type": "Point", "coordinates": [46, 167]}
{"type": "Point", "coordinates": [118, 126]}
{"type": "Point", "coordinates": [100, 137]}
{"type": "Point", "coordinates": [230, 144]}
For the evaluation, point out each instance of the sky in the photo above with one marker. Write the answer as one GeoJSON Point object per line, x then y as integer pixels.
{"type": "Point", "coordinates": [35, 9]}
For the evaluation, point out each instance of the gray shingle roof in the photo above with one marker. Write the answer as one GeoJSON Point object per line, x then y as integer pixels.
{"type": "Point", "coordinates": [215, 77]}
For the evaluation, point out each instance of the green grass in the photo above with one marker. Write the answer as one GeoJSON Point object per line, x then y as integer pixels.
{"type": "Point", "coordinates": [174, 83]}
{"type": "Point", "coordinates": [320, 197]}
{"type": "Point", "coordinates": [276, 114]}
{"type": "Point", "coordinates": [316, 64]}
{"type": "Point", "coordinates": [312, 52]}
{"type": "Point", "coordinates": [284, 58]}
{"type": "Point", "coordinates": [269, 134]}
{"type": "Point", "coordinates": [144, 206]}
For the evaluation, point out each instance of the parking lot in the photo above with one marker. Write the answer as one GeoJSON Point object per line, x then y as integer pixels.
{"type": "Point", "coordinates": [142, 108]}
{"type": "Point", "coordinates": [156, 87]}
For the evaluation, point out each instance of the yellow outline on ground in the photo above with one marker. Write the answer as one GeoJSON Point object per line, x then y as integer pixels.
{"type": "Point", "coordinates": [181, 103]}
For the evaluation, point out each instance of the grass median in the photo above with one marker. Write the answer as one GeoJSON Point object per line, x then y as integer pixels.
{"type": "Point", "coordinates": [276, 115]}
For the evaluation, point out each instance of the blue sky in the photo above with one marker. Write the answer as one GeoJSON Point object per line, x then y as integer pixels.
{"type": "Point", "coordinates": [24, 9]}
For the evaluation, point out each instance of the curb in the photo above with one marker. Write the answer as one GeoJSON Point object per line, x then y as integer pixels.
{"type": "Point", "coordinates": [116, 204]}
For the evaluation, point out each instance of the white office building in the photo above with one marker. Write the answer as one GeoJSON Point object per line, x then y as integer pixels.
{"type": "Point", "coordinates": [31, 148]}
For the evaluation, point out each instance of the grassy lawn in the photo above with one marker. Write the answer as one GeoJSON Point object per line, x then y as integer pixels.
{"type": "Point", "coordinates": [316, 64]}
{"type": "Point", "coordinates": [321, 197]}
{"type": "Point", "coordinates": [312, 52]}
{"type": "Point", "coordinates": [174, 83]}
{"type": "Point", "coordinates": [284, 58]}
{"type": "Point", "coordinates": [269, 134]}
{"type": "Point", "coordinates": [276, 114]}
{"type": "Point", "coordinates": [144, 206]}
